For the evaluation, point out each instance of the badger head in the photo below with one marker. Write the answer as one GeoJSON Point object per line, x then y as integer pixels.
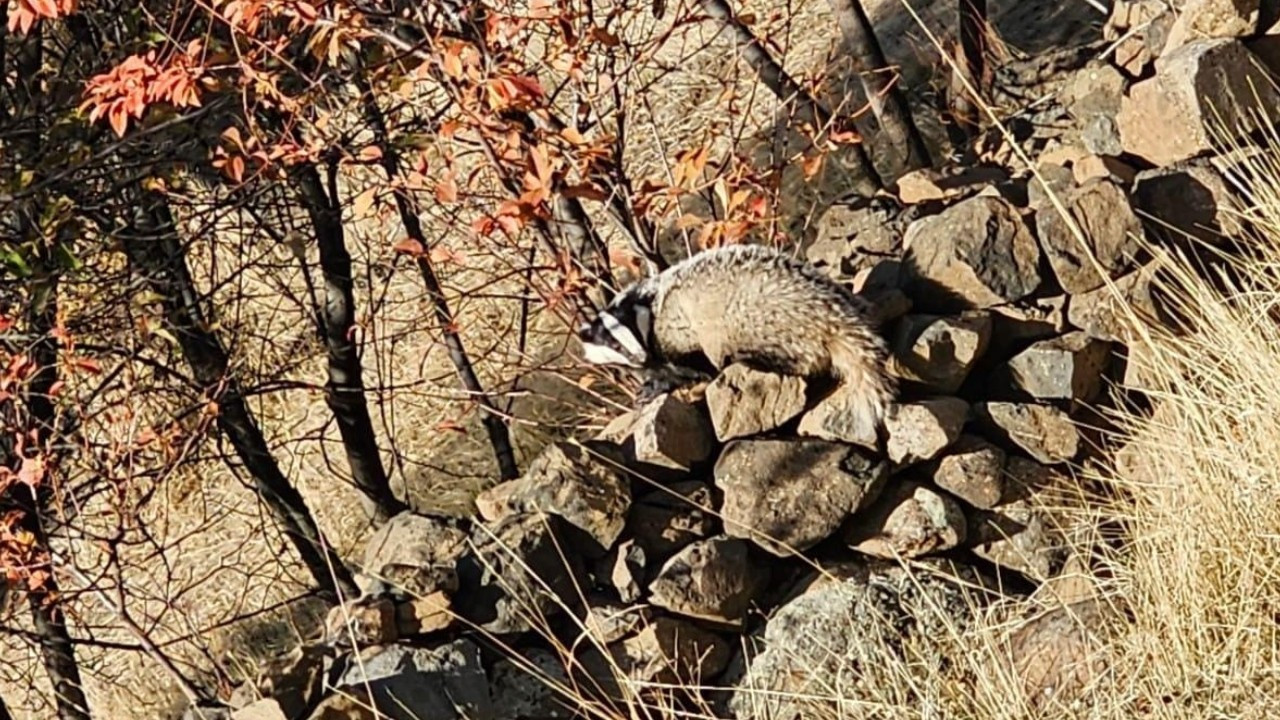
{"type": "Point", "coordinates": [622, 333]}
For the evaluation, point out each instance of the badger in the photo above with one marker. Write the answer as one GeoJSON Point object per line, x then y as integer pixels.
{"type": "Point", "coordinates": [744, 304]}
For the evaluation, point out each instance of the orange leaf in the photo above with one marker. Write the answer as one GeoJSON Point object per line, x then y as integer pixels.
{"type": "Point", "coordinates": [88, 365]}
{"type": "Point", "coordinates": [408, 246]}
{"type": "Point", "coordinates": [363, 202]}
{"type": "Point", "coordinates": [118, 118]}
{"type": "Point", "coordinates": [447, 189]}
{"type": "Point", "coordinates": [452, 426]}
{"type": "Point", "coordinates": [370, 153]}
{"type": "Point", "coordinates": [811, 165]}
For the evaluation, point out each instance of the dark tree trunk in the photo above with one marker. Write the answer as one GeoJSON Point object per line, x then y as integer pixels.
{"type": "Point", "coordinates": [971, 64]}
{"type": "Point", "coordinates": [156, 254]}
{"type": "Point", "coordinates": [772, 74]}
{"type": "Point", "coordinates": [886, 97]}
{"type": "Point", "coordinates": [494, 424]}
{"type": "Point", "coordinates": [56, 645]}
{"type": "Point", "coordinates": [344, 391]}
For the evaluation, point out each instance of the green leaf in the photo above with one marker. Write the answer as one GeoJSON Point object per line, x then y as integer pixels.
{"type": "Point", "coordinates": [15, 263]}
{"type": "Point", "coordinates": [67, 259]}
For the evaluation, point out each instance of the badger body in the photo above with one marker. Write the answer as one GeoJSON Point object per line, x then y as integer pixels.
{"type": "Point", "coordinates": [744, 304]}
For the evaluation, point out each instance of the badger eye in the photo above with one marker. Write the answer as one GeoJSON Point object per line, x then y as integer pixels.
{"type": "Point", "coordinates": [584, 331]}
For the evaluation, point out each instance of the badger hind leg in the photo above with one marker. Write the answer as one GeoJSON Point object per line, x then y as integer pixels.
{"type": "Point", "coordinates": [855, 409]}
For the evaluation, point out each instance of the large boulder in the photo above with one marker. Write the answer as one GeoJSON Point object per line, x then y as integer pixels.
{"type": "Point", "coordinates": [414, 555]}
{"type": "Point", "coordinates": [787, 496]}
{"type": "Point", "coordinates": [711, 580]}
{"type": "Point", "coordinates": [403, 683]}
{"type": "Point", "coordinates": [976, 253]}
{"type": "Point", "coordinates": [743, 401]}
{"type": "Point", "coordinates": [1109, 240]}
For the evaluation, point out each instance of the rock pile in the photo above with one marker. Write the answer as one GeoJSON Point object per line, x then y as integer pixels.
{"type": "Point", "coordinates": [742, 511]}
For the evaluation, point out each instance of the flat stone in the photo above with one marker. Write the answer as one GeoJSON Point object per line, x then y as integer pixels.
{"type": "Point", "coordinates": [1200, 19]}
{"type": "Point", "coordinates": [446, 681]}
{"type": "Point", "coordinates": [1057, 657]}
{"type": "Point", "coordinates": [1019, 537]}
{"type": "Point", "coordinates": [977, 253]}
{"type": "Point", "coordinates": [667, 432]}
{"type": "Point", "coordinates": [668, 519]}
{"type": "Point", "coordinates": [415, 555]}
{"type": "Point", "coordinates": [744, 402]}
{"type": "Point", "coordinates": [372, 622]}
{"type": "Point", "coordinates": [1110, 313]}
{"type": "Point", "coordinates": [669, 650]}
{"type": "Point", "coordinates": [922, 430]}
{"type": "Point", "coordinates": [1190, 198]}
{"type": "Point", "coordinates": [787, 496]}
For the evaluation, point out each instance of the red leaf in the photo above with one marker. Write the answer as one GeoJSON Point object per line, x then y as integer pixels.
{"type": "Point", "coordinates": [88, 365]}
{"type": "Point", "coordinates": [5, 323]}
{"type": "Point", "coordinates": [447, 189]}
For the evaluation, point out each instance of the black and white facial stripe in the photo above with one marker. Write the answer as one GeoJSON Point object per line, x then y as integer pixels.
{"type": "Point", "coordinates": [620, 334]}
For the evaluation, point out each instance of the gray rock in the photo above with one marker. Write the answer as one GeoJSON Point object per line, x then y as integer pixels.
{"type": "Point", "coordinates": [1110, 230]}
{"type": "Point", "coordinates": [667, 432]}
{"type": "Point", "coordinates": [1054, 178]}
{"type": "Point", "coordinates": [787, 496]}
{"type": "Point", "coordinates": [405, 683]}
{"type": "Point", "coordinates": [415, 555]}
{"type": "Point", "coordinates": [1018, 536]}
{"type": "Point", "coordinates": [838, 417]}
{"type": "Point", "coordinates": [1093, 97]}
{"type": "Point", "coordinates": [908, 521]}
{"type": "Point", "coordinates": [524, 689]}
{"type": "Point", "coordinates": [849, 238]}
{"type": "Point", "coordinates": [710, 580]}
{"type": "Point", "coordinates": [670, 518]}
{"type": "Point", "coordinates": [1012, 326]}
{"type": "Point", "coordinates": [1189, 198]}
{"type": "Point", "coordinates": [977, 253]}
{"type": "Point", "coordinates": [920, 431]}
{"type": "Point", "coordinates": [565, 480]}
{"type": "Point", "coordinates": [1198, 87]}
{"type": "Point", "coordinates": [939, 351]}
{"type": "Point", "coordinates": [1109, 313]}
{"type": "Point", "coordinates": [669, 650]}
{"type": "Point", "coordinates": [847, 618]}
{"type": "Point", "coordinates": [743, 401]}
{"type": "Point", "coordinates": [517, 569]}
{"type": "Point", "coordinates": [1069, 367]}
{"type": "Point", "coordinates": [1043, 431]}
{"type": "Point", "coordinates": [973, 471]}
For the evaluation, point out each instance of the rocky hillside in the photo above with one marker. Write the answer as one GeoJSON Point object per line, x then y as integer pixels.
{"type": "Point", "coordinates": [734, 548]}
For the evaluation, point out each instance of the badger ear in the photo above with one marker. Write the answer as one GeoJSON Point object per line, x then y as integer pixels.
{"type": "Point", "coordinates": [644, 323]}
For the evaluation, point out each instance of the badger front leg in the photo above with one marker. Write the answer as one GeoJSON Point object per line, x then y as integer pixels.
{"type": "Point", "coordinates": [669, 378]}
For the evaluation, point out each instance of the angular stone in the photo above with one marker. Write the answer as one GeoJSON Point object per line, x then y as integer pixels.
{"type": "Point", "coordinates": [446, 682]}
{"type": "Point", "coordinates": [743, 401]}
{"type": "Point", "coordinates": [1013, 326]}
{"type": "Point", "coordinates": [849, 238]}
{"type": "Point", "coordinates": [710, 580]}
{"type": "Point", "coordinates": [521, 692]}
{"type": "Point", "coordinates": [1103, 167]}
{"type": "Point", "coordinates": [1190, 198]}
{"type": "Point", "coordinates": [1200, 19]}
{"type": "Point", "coordinates": [292, 681]}
{"type": "Point", "coordinates": [977, 253]}
{"type": "Point", "coordinates": [845, 619]}
{"type": "Point", "coordinates": [922, 430]}
{"type": "Point", "coordinates": [939, 351]}
{"type": "Point", "coordinates": [415, 555]}
{"type": "Point", "coordinates": [973, 471]}
{"type": "Point", "coordinates": [608, 623]}
{"type": "Point", "coordinates": [624, 570]}
{"type": "Point", "coordinates": [1054, 179]}
{"type": "Point", "coordinates": [423, 615]}
{"type": "Point", "coordinates": [1043, 431]}
{"type": "Point", "coordinates": [1110, 230]}
{"type": "Point", "coordinates": [787, 496]}
{"type": "Point", "coordinates": [908, 521]}
{"type": "Point", "coordinates": [666, 520]}
{"type": "Point", "coordinates": [265, 709]}
{"type": "Point", "coordinates": [1203, 85]}
{"type": "Point", "coordinates": [1019, 537]}
{"type": "Point", "coordinates": [669, 650]}
{"type": "Point", "coordinates": [565, 480]}
{"type": "Point", "coordinates": [372, 622]}
{"type": "Point", "coordinates": [518, 569]}
{"type": "Point", "coordinates": [667, 432]}
{"type": "Point", "coordinates": [919, 186]}
{"type": "Point", "coordinates": [838, 417]}
{"type": "Point", "coordinates": [1093, 97]}
{"type": "Point", "coordinates": [1109, 313]}
{"type": "Point", "coordinates": [1069, 367]}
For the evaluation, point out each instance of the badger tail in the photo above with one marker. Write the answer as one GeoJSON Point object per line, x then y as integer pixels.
{"type": "Point", "coordinates": [858, 360]}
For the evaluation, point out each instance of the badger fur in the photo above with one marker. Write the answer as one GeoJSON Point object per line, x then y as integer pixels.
{"type": "Point", "coordinates": [747, 304]}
